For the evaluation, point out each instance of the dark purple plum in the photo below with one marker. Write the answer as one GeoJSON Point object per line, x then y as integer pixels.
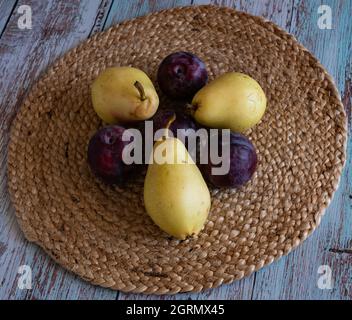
{"type": "Point", "coordinates": [243, 163]}
{"type": "Point", "coordinates": [182, 121]}
{"type": "Point", "coordinates": [105, 155]}
{"type": "Point", "coordinates": [181, 75]}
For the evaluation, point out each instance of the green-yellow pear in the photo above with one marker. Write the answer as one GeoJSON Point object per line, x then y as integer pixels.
{"type": "Point", "coordinates": [233, 101]}
{"type": "Point", "coordinates": [176, 196]}
{"type": "Point", "coordinates": [124, 94]}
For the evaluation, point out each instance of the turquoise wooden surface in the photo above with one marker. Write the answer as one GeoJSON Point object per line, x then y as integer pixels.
{"type": "Point", "coordinates": [59, 26]}
{"type": "Point", "coordinates": [6, 8]}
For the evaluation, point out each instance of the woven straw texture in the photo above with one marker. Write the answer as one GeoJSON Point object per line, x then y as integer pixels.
{"type": "Point", "coordinates": [103, 234]}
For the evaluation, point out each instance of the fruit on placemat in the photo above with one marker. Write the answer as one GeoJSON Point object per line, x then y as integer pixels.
{"type": "Point", "coordinates": [242, 162]}
{"type": "Point", "coordinates": [124, 94]}
{"type": "Point", "coordinates": [105, 155]}
{"type": "Point", "coordinates": [181, 75]}
{"type": "Point", "coordinates": [176, 196]}
{"type": "Point", "coordinates": [233, 101]}
{"type": "Point", "coordinates": [182, 128]}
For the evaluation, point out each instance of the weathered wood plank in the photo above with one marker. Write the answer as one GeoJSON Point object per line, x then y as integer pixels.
{"type": "Point", "coordinates": [57, 27]}
{"type": "Point", "coordinates": [279, 12]}
{"type": "Point", "coordinates": [296, 276]}
{"type": "Point", "coordinates": [125, 10]}
{"type": "Point", "coordinates": [102, 16]}
{"type": "Point", "coordinates": [6, 8]}
{"type": "Point", "coordinates": [51, 281]}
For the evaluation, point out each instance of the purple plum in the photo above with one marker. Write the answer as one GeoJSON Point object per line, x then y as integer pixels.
{"type": "Point", "coordinates": [181, 75]}
{"type": "Point", "coordinates": [105, 155]}
{"type": "Point", "coordinates": [182, 121]}
{"type": "Point", "coordinates": [243, 163]}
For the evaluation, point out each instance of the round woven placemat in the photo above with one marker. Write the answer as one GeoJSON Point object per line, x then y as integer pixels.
{"type": "Point", "coordinates": [103, 234]}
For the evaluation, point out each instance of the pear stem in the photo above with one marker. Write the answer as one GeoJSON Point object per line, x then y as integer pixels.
{"type": "Point", "coordinates": [141, 91]}
{"type": "Point", "coordinates": [169, 123]}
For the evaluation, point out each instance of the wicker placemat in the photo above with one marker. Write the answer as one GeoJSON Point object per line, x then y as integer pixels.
{"type": "Point", "coordinates": [104, 235]}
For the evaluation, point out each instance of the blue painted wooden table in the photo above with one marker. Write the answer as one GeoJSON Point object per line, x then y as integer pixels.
{"type": "Point", "coordinates": [59, 25]}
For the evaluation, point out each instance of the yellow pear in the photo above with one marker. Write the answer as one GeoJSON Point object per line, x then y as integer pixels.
{"type": "Point", "coordinates": [124, 94]}
{"type": "Point", "coordinates": [176, 196]}
{"type": "Point", "coordinates": [233, 101]}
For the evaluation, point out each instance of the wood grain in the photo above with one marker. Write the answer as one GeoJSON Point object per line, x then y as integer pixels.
{"type": "Point", "coordinates": [6, 9]}
{"type": "Point", "coordinates": [58, 26]}
{"type": "Point", "coordinates": [124, 10]}
{"type": "Point", "coordinates": [101, 16]}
